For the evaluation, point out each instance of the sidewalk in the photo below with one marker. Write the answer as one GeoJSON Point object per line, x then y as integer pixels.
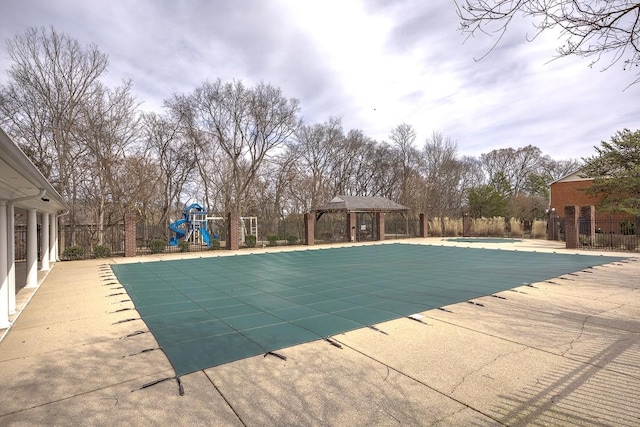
{"type": "Point", "coordinates": [561, 352]}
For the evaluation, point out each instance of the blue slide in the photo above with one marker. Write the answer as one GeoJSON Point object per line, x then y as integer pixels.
{"type": "Point", "coordinates": [206, 238]}
{"type": "Point", "coordinates": [180, 233]}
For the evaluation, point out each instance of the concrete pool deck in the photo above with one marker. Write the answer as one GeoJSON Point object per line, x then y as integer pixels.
{"type": "Point", "coordinates": [559, 352]}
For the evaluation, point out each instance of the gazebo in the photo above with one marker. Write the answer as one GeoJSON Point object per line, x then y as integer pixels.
{"type": "Point", "coordinates": [363, 216]}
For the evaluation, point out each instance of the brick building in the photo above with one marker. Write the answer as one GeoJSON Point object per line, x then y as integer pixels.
{"type": "Point", "coordinates": [569, 191]}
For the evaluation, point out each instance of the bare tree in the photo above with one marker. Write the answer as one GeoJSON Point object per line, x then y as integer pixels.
{"type": "Point", "coordinates": [140, 188]}
{"type": "Point", "coordinates": [403, 137]}
{"type": "Point", "coordinates": [107, 128]}
{"type": "Point", "coordinates": [318, 149]}
{"type": "Point", "coordinates": [589, 28]}
{"type": "Point", "coordinates": [515, 165]}
{"type": "Point", "coordinates": [352, 165]}
{"type": "Point", "coordinates": [50, 78]}
{"type": "Point", "coordinates": [174, 156]}
{"type": "Point", "coordinates": [442, 173]}
{"type": "Point", "coordinates": [387, 174]}
{"type": "Point", "coordinates": [247, 124]}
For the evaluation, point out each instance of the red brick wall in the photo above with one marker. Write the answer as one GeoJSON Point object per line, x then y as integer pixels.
{"type": "Point", "coordinates": [233, 235]}
{"type": "Point", "coordinates": [571, 214]}
{"type": "Point", "coordinates": [130, 248]}
{"type": "Point", "coordinates": [569, 194]}
{"type": "Point", "coordinates": [424, 226]}
{"type": "Point", "coordinates": [309, 228]}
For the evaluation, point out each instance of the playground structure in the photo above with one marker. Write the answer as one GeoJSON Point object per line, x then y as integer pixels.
{"type": "Point", "coordinates": [194, 227]}
{"type": "Point", "coordinates": [252, 229]}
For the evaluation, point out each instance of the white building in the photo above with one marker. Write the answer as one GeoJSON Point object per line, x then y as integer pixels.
{"type": "Point", "coordinates": [24, 190]}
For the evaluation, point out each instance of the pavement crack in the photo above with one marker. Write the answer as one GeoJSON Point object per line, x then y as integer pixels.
{"type": "Point", "coordinates": [583, 327]}
{"type": "Point", "coordinates": [224, 398]}
{"type": "Point", "coordinates": [480, 368]}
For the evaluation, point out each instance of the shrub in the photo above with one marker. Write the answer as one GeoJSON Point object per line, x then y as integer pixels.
{"type": "Point", "coordinates": [539, 229]}
{"type": "Point", "coordinates": [627, 228]}
{"type": "Point", "coordinates": [452, 227]}
{"type": "Point", "coordinates": [73, 252]}
{"type": "Point", "coordinates": [435, 230]}
{"type": "Point", "coordinates": [273, 239]}
{"type": "Point", "coordinates": [292, 240]}
{"type": "Point", "coordinates": [101, 251]}
{"type": "Point", "coordinates": [157, 246]}
{"type": "Point", "coordinates": [215, 244]}
{"type": "Point", "coordinates": [496, 226]}
{"type": "Point", "coordinates": [250, 240]}
{"type": "Point", "coordinates": [183, 246]}
{"type": "Point", "coordinates": [515, 227]}
{"type": "Point", "coordinates": [584, 240]}
{"type": "Point", "coordinates": [492, 227]}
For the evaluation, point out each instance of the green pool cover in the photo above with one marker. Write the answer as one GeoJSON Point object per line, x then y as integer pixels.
{"type": "Point", "coordinates": [209, 311]}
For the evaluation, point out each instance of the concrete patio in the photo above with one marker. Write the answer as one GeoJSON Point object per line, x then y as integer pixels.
{"type": "Point", "coordinates": [559, 352]}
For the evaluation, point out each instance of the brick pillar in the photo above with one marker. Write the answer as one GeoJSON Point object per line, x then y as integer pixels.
{"type": "Point", "coordinates": [424, 226]}
{"type": "Point", "coordinates": [552, 225]}
{"type": "Point", "coordinates": [309, 229]}
{"type": "Point", "coordinates": [233, 228]}
{"type": "Point", "coordinates": [466, 225]}
{"type": "Point", "coordinates": [588, 221]}
{"type": "Point", "coordinates": [380, 225]}
{"type": "Point", "coordinates": [351, 227]}
{"type": "Point", "coordinates": [130, 246]}
{"type": "Point", "coordinates": [571, 226]}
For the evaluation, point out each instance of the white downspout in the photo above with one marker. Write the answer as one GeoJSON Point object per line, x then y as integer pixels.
{"type": "Point", "coordinates": [11, 247]}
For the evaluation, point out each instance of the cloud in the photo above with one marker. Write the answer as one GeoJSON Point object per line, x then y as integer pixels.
{"type": "Point", "coordinates": [374, 63]}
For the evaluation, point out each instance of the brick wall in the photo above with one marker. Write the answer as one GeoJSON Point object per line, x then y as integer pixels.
{"type": "Point", "coordinates": [571, 214]}
{"type": "Point", "coordinates": [309, 228]}
{"type": "Point", "coordinates": [424, 226]}
{"type": "Point", "coordinates": [569, 194]}
{"type": "Point", "coordinates": [233, 235]}
{"type": "Point", "coordinates": [130, 248]}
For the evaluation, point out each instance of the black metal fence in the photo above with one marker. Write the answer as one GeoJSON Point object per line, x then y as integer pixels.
{"type": "Point", "coordinates": [83, 241]}
{"type": "Point", "coordinates": [91, 241]}
{"type": "Point", "coordinates": [20, 247]}
{"type": "Point", "coordinates": [612, 232]}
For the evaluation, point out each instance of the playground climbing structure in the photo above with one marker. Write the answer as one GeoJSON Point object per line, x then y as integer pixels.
{"type": "Point", "coordinates": [192, 227]}
{"type": "Point", "coordinates": [196, 227]}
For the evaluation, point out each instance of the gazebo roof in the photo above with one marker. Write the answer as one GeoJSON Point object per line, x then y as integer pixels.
{"type": "Point", "coordinates": [360, 204]}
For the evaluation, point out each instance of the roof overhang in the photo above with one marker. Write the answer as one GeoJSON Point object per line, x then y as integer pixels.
{"type": "Point", "coordinates": [22, 183]}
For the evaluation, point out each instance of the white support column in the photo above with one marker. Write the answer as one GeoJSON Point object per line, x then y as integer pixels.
{"type": "Point", "coordinates": [32, 248]}
{"type": "Point", "coordinates": [4, 274]}
{"type": "Point", "coordinates": [44, 242]}
{"type": "Point", "coordinates": [53, 237]}
{"type": "Point", "coordinates": [11, 257]}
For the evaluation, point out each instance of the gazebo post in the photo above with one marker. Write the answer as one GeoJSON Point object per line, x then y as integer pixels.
{"type": "Point", "coordinates": [380, 225]}
{"type": "Point", "coordinates": [351, 226]}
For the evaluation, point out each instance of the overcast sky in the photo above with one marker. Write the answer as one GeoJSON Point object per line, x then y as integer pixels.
{"type": "Point", "coordinates": [376, 64]}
